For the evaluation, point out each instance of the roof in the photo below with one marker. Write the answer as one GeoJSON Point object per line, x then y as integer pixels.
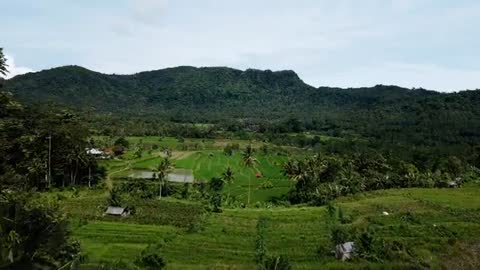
{"type": "Point", "coordinates": [347, 247]}
{"type": "Point", "coordinates": [453, 183]}
{"type": "Point", "coordinates": [344, 251]}
{"type": "Point", "coordinates": [94, 151]}
{"type": "Point", "coordinates": [116, 211]}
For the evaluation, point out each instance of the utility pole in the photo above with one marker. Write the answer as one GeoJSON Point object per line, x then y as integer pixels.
{"type": "Point", "coordinates": [49, 180]}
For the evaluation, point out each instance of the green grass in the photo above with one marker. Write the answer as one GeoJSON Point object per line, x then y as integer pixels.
{"type": "Point", "coordinates": [228, 238]}
{"type": "Point", "coordinates": [211, 163]}
{"type": "Point", "coordinates": [91, 205]}
{"type": "Point", "coordinates": [208, 164]}
{"type": "Point", "coordinates": [109, 240]}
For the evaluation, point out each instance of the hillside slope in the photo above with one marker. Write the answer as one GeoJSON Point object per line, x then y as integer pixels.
{"type": "Point", "coordinates": [200, 88]}
{"type": "Point", "coordinates": [189, 94]}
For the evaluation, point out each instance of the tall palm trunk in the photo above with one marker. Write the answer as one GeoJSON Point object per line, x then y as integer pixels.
{"type": "Point", "coordinates": [160, 193]}
{"type": "Point", "coordinates": [249, 189]}
{"type": "Point", "coordinates": [89, 176]}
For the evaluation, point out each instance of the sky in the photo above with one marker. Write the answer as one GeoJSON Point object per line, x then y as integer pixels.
{"type": "Point", "coordinates": [433, 44]}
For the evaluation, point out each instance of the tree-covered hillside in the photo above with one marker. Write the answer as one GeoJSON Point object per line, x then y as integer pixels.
{"type": "Point", "coordinates": [217, 89]}
{"type": "Point", "coordinates": [266, 101]}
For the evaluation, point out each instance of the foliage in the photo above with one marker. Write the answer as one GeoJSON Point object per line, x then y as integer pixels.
{"type": "Point", "coordinates": [3, 63]}
{"type": "Point", "coordinates": [43, 149]}
{"type": "Point", "coordinates": [277, 263]}
{"type": "Point", "coordinates": [33, 235]}
{"type": "Point", "coordinates": [322, 178]}
{"type": "Point", "coordinates": [266, 185]}
{"type": "Point", "coordinates": [122, 142]}
{"type": "Point", "coordinates": [163, 169]}
{"type": "Point", "coordinates": [114, 198]}
{"type": "Point", "coordinates": [295, 231]}
{"type": "Point", "coordinates": [216, 187]}
{"type": "Point", "coordinates": [260, 246]}
{"type": "Point", "coordinates": [249, 161]}
{"type": "Point", "coordinates": [171, 101]}
{"type": "Point", "coordinates": [150, 258]}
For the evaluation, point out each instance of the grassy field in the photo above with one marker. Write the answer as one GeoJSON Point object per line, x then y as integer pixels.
{"type": "Point", "coordinates": [207, 163]}
{"type": "Point", "coordinates": [439, 227]}
{"type": "Point", "coordinates": [426, 220]}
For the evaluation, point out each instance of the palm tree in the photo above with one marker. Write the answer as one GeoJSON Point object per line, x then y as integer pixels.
{"type": "Point", "coordinates": [228, 176]}
{"type": "Point", "coordinates": [293, 170]}
{"type": "Point", "coordinates": [3, 63]}
{"type": "Point", "coordinates": [163, 169]}
{"type": "Point", "coordinates": [249, 161]}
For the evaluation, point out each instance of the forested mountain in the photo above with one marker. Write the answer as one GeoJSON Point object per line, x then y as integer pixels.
{"type": "Point", "coordinates": [273, 101]}
{"type": "Point", "coordinates": [217, 89]}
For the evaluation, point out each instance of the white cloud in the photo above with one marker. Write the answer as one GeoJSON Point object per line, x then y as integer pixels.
{"type": "Point", "coordinates": [414, 43]}
{"type": "Point", "coordinates": [13, 69]}
{"type": "Point", "coordinates": [148, 11]}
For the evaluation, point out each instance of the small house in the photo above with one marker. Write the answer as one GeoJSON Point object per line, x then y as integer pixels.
{"type": "Point", "coordinates": [345, 251]}
{"type": "Point", "coordinates": [453, 184]}
{"type": "Point", "coordinates": [258, 175]}
{"type": "Point", "coordinates": [94, 152]}
{"type": "Point", "coordinates": [117, 211]}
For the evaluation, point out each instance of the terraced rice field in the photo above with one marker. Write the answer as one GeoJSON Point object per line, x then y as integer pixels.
{"type": "Point", "coordinates": [208, 164]}
{"type": "Point", "coordinates": [424, 219]}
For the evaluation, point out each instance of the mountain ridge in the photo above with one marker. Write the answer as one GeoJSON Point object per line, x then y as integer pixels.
{"type": "Point", "coordinates": [77, 86]}
{"type": "Point", "coordinates": [249, 70]}
{"type": "Point", "coordinates": [220, 94]}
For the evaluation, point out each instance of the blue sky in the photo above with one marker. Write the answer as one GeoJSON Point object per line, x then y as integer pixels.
{"type": "Point", "coordinates": [433, 44]}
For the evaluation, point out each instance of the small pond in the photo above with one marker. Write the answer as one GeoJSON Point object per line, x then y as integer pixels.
{"type": "Point", "coordinates": [177, 175]}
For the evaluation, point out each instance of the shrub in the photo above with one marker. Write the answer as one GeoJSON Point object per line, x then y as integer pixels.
{"type": "Point", "coordinates": [277, 263]}
{"type": "Point", "coordinates": [114, 198]}
{"type": "Point", "coordinates": [260, 248]}
{"type": "Point", "coordinates": [266, 185]}
{"type": "Point", "coordinates": [150, 258]}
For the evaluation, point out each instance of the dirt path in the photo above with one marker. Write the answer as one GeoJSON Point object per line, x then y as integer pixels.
{"type": "Point", "coordinates": [182, 154]}
{"type": "Point", "coordinates": [108, 180]}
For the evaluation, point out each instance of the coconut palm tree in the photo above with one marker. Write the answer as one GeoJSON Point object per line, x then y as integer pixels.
{"type": "Point", "coordinates": [249, 161]}
{"type": "Point", "coordinates": [3, 63]}
{"type": "Point", "coordinates": [293, 170]}
{"type": "Point", "coordinates": [163, 169]}
{"type": "Point", "coordinates": [228, 176]}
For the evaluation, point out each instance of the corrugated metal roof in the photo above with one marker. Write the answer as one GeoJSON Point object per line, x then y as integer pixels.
{"type": "Point", "coordinates": [113, 210]}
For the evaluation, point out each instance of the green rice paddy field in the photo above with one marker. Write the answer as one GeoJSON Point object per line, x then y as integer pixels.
{"type": "Point", "coordinates": [208, 163]}
{"type": "Point", "coordinates": [227, 240]}
{"type": "Point", "coordinates": [440, 227]}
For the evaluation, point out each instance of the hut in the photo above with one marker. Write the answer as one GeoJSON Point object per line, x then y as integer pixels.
{"type": "Point", "coordinates": [94, 152]}
{"type": "Point", "coordinates": [117, 211]}
{"type": "Point", "coordinates": [345, 251]}
{"type": "Point", "coordinates": [453, 184]}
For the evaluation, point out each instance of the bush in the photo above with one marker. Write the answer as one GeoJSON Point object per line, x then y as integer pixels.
{"type": "Point", "coordinates": [266, 185]}
{"type": "Point", "coordinates": [116, 265]}
{"type": "Point", "coordinates": [114, 198]}
{"type": "Point", "coordinates": [122, 142]}
{"type": "Point", "coordinates": [150, 258]}
{"type": "Point", "coordinates": [277, 263]}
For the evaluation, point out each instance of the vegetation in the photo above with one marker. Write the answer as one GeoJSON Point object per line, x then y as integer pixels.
{"type": "Point", "coordinates": [162, 172]}
{"type": "Point", "coordinates": [172, 101]}
{"type": "Point", "coordinates": [430, 222]}
{"type": "Point", "coordinates": [283, 172]}
{"type": "Point", "coordinates": [34, 234]}
{"type": "Point", "coordinates": [3, 63]}
{"type": "Point", "coordinates": [320, 179]}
